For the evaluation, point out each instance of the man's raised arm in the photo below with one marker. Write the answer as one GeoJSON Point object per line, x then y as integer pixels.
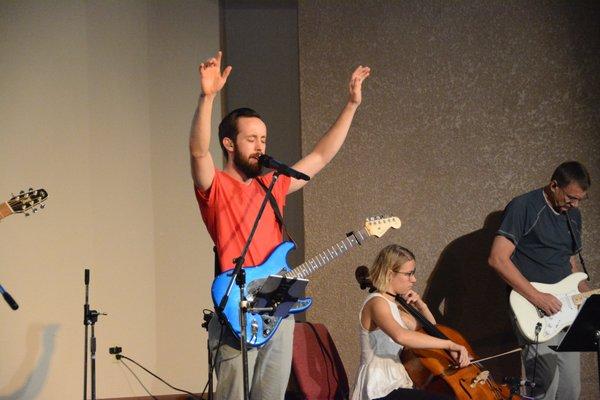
{"type": "Point", "coordinates": [211, 82]}
{"type": "Point", "coordinates": [331, 142]}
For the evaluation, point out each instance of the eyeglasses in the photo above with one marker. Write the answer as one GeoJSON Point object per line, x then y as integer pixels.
{"type": "Point", "coordinates": [573, 199]}
{"type": "Point", "coordinates": [408, 274]}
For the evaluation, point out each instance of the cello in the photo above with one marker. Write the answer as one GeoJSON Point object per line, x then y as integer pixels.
{"type": "Point", "coordinates": [435, 370]}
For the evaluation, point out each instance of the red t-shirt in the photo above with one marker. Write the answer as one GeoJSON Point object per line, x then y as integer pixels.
{"type": "Point", "coordinates": [229, 208]}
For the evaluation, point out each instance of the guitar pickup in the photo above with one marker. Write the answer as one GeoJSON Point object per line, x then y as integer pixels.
{"type": "Point", "coordinates": [541, 313]}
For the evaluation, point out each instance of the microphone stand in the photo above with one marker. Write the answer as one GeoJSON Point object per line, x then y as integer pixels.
{"type": "Point", "coordinates": [86, 309]}
{"type": "Point", "coordinates": [90, 317]}
{"type": "Point", "coordinates": [239, 277]}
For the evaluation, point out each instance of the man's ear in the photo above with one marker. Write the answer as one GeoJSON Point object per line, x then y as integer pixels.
{"type": "Point", "coordinates": [228, 144]}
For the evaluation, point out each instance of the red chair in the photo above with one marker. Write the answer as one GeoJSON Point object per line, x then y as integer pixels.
{"type": "Point", "coordinates": [316, 364]}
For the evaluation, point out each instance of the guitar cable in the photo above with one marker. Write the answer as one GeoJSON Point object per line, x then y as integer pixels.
{"type": "Point", "coordinates": [137, 378]}
{"type": "Point", "coordinates": [120, 357]}
{"type": "Point", "coordinates": [538, 328]}
{"type": "Point", "coordinates": [212, 359]}
{"type": "Point", "coordinates": [116, 351]}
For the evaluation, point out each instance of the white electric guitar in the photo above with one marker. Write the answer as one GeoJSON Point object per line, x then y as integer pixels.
{"type": "Point", "coordinates": [527, 315]}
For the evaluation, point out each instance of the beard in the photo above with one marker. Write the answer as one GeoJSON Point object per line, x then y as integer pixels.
{"type": "Point", "coordinates": [251, 170]}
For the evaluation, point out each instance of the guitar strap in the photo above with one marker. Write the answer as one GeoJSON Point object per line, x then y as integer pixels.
{"type": "Point", "coordinates": [574, 245]}
{"type": "Point", "coordinates": [278, 216]}
{"type": "Point", "coordinates": [217, 262]}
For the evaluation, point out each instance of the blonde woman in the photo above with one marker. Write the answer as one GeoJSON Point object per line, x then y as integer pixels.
{"type": "Point", "coordinates": [385, 329]}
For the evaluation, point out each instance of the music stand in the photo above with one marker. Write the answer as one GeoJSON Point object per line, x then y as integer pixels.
{"type": "Point", "coordinates": [278, 295]}
{"type": "Point", "coordinates": [584, 333]}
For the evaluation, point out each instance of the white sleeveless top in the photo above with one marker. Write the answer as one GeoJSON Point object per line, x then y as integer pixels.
{"type": "Point", "coordinates": [380, 371]}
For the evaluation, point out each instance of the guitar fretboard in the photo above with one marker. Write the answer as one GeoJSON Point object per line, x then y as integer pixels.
{"type": "Point", "coordinates": [308, 267]}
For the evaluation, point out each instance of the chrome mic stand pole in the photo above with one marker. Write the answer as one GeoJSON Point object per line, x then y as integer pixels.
{"type": "Point", "coordinates": [90, 317]}
{"type": "Point", "coordinates": [86, 309]}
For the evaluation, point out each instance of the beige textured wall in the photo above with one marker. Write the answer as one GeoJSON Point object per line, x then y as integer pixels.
{"type": "Point", "coordinates": [95, 107]}
{"type": "Point", "coordinates": [468, 105]}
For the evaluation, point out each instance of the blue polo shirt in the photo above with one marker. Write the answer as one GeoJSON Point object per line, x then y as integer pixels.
{"type": "Point", "coordinates": [543, 244]}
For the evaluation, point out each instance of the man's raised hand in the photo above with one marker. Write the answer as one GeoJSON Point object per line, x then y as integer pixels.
{"type": "Point", "coordinates": [212, 79]}
{"type": "Point", "coordinates": [358, 76]}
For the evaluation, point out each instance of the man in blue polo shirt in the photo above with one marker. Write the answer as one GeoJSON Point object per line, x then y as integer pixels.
{"type": "Point", "coordinates": [537, 241]}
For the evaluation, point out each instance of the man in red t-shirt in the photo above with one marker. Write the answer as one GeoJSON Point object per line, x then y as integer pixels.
{"type": "Point", "coordinates": [229, 200]}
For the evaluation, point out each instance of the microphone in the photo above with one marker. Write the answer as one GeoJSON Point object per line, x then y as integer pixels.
{"type": "Point", "coordinates": [271, 163]}
{"type": "Point", "coordinates": [11, 302]}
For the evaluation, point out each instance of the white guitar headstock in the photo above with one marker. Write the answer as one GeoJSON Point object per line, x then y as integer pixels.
{"type": "Point", "coordinates": [379, 225]}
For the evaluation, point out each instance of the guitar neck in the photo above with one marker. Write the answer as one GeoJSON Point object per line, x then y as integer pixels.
{"type": "Point", "coordinates": [308, 267]}
{"type": "Point", "coordinates": [579, 298]}
{"type": "Point", "coordinates": [5, 210]}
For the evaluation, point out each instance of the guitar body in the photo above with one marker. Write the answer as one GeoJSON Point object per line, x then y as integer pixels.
{"type": "Point", "coordinates": [259, 327]}
{"type": "Point", "coordinates": [528, 316]}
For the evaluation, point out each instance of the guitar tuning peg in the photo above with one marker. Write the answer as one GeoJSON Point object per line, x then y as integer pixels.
{"type": "Point", "coordinates": [21, 192]}
{"type": "Point", "coordinates": [31, 189]}
{"type": "Point", "coordinates": [34, 210]}
{"type": "Point", "coordinates": [27, 214]}
{"type": "Point", "coordinates": [42, 206]}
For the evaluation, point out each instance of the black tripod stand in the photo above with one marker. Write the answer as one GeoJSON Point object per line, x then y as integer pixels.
{"type": "Point", "coordinates": [90, 317]}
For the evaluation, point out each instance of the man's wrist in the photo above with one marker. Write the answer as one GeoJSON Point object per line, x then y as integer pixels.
{"type": "Point", "coordinates": [209, 96]}
{"type": "Point", "coordinates": [352, 104]}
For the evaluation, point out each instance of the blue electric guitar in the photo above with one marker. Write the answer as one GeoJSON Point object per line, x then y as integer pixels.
{"type": "Point", "coordinates": [261, 327]}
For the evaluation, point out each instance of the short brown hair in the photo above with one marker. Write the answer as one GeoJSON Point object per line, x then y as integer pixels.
{"type": "Point", "coordinates": [572, 172]}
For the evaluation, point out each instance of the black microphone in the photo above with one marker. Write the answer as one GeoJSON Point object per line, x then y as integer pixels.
{"type": "Point", "coordinates": [11, 302]}
{"type": "Point", "coordinates": [86, 277]}
{"type": "Point", "coordinates": [269, 162]}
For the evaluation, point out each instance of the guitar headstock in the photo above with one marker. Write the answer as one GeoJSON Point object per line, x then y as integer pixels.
{"type": "Point", "coordinates": [379, 225]}
{"type": "Point", "coordinates": [25, 201]}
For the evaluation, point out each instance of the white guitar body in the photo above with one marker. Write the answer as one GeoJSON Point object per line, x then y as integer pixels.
{"type": "Point", "coordinates": [528, 316]}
